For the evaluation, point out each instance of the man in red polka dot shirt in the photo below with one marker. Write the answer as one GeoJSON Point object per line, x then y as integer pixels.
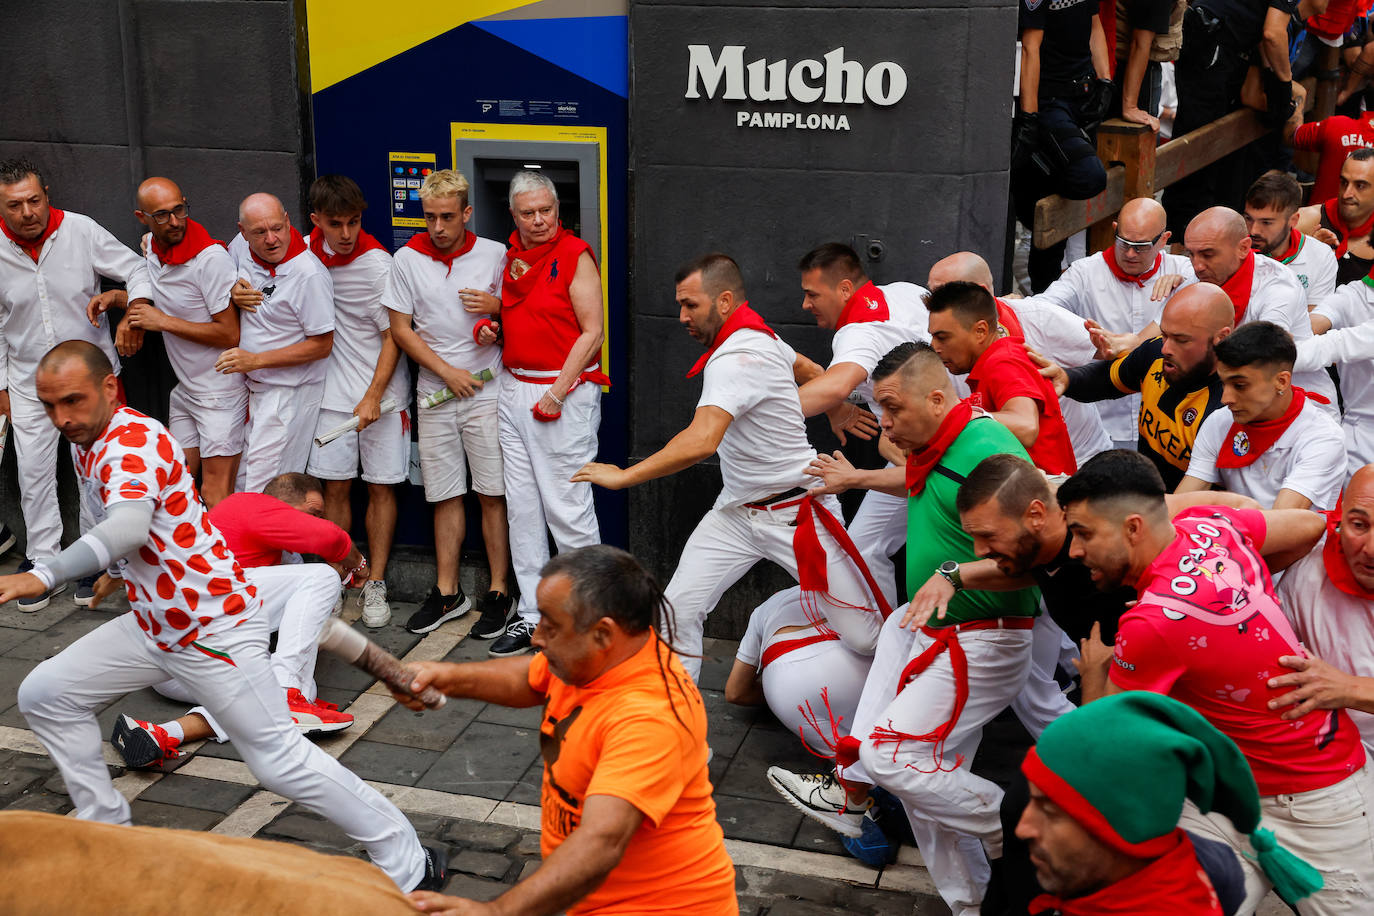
{"type": "Point", "coordinates": [195, 618]}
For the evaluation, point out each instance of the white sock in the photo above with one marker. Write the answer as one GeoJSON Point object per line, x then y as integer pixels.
{"type": "Point", "coordinates": [174, 731]}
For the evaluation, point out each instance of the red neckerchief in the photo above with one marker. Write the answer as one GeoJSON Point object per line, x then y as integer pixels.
{"type": "Point", "coordinates": [363, 245]}
{"type": "Point", "coordinates": [1008, 319]}
{"type": "Point", "coordinates": [196, 240]}
{"type": "Point", "coordinates": [533, 259]}
{"type": "Point", "coordinates": [294, 247]}
{"type": "Point", "coordinates": [1175, 883]}
{"type": "Point", "coordinates": [35, 248]}
{"type": "Point", "coordinates": [1109, 255]}
{"type": "Point", "coordinates": [867, 303]}
{"type": "Point", "coordinates": [922, 460]}
{"type": "Point", "coordinates": [1333, 216]}
{"type": "Point", "coordinates": [1333, 558]}
{"type": "Point", "coordinates": [422, 243]}
{"type": "Point", "coordinates": [741, 318]}
{"type": "Point", "coordinates": [1250, 440]}
{"type": "Point", "coordinates": [1240, 285]}
{"type": "Point", "coordinates": [1295, 242]}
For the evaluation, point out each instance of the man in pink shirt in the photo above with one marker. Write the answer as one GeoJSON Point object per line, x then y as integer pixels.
{"type": "Point", "coordinates": [262, 530]}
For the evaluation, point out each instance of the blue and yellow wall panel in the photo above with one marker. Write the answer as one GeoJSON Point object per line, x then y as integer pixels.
{"type": "Point", "coordinates": [389, 83]}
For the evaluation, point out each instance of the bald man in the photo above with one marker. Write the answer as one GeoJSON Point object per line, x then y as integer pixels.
{"type": "Point", "coordinates": [1329, 597]}
{"type": "Point", "coordinates": [1260, 289]}
{"type": "Point", "coordinates": [1047, 328]}
{"type": "Point", "coordinates": [1175, 374]}
{"type": "Point", "coordinates": [1120, 290]}
{"type": "Point", "coordinates": [191, 275]}
{"type": "Point", "coordinates": [283, 342]}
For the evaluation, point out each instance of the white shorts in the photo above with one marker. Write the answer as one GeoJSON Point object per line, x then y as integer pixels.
{"type": "Point", "coordinates": [453, 436]}
{"type": "Point", "coordinates": [215, 426]}
{"type": "Point", "coordinates": [383, 449]}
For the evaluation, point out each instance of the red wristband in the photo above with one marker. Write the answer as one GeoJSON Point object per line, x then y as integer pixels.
{"type": "Point", "coordinates": [483, 323]}
{"type": "Point", "coordinates": [544, 417]}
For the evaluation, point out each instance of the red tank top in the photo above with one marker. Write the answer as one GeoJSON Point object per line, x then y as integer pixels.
{"type": "Point", "coordinates": [537, 320]}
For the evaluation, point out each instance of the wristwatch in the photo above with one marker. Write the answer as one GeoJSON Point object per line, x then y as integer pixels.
{"type": "Point", "coordinates": [950, 570]}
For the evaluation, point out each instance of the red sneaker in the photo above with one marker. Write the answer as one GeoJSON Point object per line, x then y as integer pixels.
{"type": "Point", "coordinates": [310, 718]}
{"type": "Point", "coordinates": [143, 744]}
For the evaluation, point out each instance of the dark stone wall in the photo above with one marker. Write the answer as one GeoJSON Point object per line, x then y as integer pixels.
{"type": "Point", "coordinates": [925, 176]}
{"type": "Point", "coordinates": [107, 92]}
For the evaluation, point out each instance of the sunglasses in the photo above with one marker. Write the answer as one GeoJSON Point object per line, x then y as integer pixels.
{"type": "Point", "coordinates": [1139, 246]}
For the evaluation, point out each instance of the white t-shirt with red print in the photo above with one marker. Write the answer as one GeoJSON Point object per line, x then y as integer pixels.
{"type": "Point", "coordinates": [183, 584]}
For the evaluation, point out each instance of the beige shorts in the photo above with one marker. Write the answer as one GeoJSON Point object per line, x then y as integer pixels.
{"type": "Point", "coordinates": [383, 449]}
{"type": "Point", "coordinates": [214, 427]}
{"type": "Point", "coordinates": [455, 436]}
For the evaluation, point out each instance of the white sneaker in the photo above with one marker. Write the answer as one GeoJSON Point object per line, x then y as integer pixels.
{"type": "Point", "coordinates": [376, 610]}
{"type": "Point", "coordinates": [821, 798]}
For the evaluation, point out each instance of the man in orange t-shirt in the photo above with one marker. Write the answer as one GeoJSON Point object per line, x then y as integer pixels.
{"type": "Point", "coordinates": [629, 825]}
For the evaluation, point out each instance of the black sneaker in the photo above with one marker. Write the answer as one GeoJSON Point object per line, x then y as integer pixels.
{"type": "Point", "coordinates": [33, 605]}
{"type": "Point", "coordinates": [84, 596]}
{"type": "Point", "coordinates": [496, 609]}
{"type": "Point", "coordinates": [515, 641]}
{"type": "Point", "coordinates": [437, 610]}
{"type": "Point", "coordinates": [436, 869]}
{"type": "Point", "coordinates": [7, 539]}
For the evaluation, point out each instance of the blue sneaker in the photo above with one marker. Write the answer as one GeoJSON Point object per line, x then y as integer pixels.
{"type": "Point", "coordinates": [872, 847]}
{"type": "Point", "coordinates": [893, 819]}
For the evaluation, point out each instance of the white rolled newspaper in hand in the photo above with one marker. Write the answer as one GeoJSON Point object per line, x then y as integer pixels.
{"type": "Point", "coordinates": [4, 433]}
{"type": "Point", "coordinates": [388, 405]}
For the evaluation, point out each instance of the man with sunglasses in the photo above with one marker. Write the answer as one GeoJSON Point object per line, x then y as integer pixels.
{"type": "Point", "coordinates": [51, 265]}
{"type": "Point", "coordinates": [191, 275]}
{"type": "Point", "coordinates": [1123, 290]}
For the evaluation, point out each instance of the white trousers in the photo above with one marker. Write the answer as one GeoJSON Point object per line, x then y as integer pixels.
{"type": "Point", "coordinates": [281, 431]}
{"type": "Point", "coordinates": [60, 696]}
{"type": "Point", "coordinates": [793, 684]}
{"type": "Point", "coordinates": [539, 459]}
{"type": "Point", "coordinates": [953, 813]}
{"type": "Point", "coordinates": [1042, 701]}
{"type": "Point", "coordinates": [728, 542]}
{"type": "Point", "coordinates": [879, 531]}
{"type": "Point", "coordinates": [35, 442]}
{"type": "Point", "coordinates": [297, 599]}
{"type": "Point", "coordinates": [1332, 829]}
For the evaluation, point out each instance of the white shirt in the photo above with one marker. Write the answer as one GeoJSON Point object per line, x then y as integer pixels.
{"type": "Point", "coordinates": [427, 290]}
{"type": "Point", "coordinates": [43, 304]}
{"type": "Point", "coordinates": [1349, 343]}
{"type": "Point", "coordinates": [1090, 290]}
{"type": "Point", "coordinates": [196, 291]}
{"type": "Point", "coordinates": [784, 609]}
{"type": "Point", "coordinates": [359, 321]}
{"type": "Point", "coordinates": [1050, 329]}
{"type": "Point", "coordinates": [1336, 627]}
{"type": "Point", "coordinates": [864, 343]}
{"type": "Point", "coordinates": [298, 302]}
{"type": "Point", "coordinates": [1309, 459]}
{"type": "Point", "coordinates": [764, 450]}
{"type": "Point", "coordinates": [1277, 296]}
{"type": "Point", "coordinates": [1314, 264]}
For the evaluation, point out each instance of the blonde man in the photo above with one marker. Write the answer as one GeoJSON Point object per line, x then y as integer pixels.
{"type": "Point", "coordinates": [438, 270]}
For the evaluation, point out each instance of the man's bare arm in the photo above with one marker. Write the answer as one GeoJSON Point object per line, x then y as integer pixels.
{"type": "Point", "coordinates": [696, 443]}
{"type": "Point", "coordinates": [503, 681]}
{"type": "Point", "coordinates": [830, 388]}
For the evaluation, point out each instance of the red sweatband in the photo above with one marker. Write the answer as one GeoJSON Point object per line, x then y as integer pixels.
{"type": "Point", "coordinates": [544, 417]}
{"type": "Point", "coordinates": [483, 323]}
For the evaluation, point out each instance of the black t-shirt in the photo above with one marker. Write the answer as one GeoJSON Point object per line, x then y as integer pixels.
{"type": "Point", "coordinates": [1074, 602]}
{"type": "Point", "coordinates": [1150, 15]}
{"type": "Point", "coordinates": [1065, 49]}
{"type": "Point", "coordinates": [1244, 19]}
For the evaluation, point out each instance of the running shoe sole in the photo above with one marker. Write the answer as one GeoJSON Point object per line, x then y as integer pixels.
{"type": "Point", "coordinates": [319, 728]}
{"type": "Point", "coordinates": [83, 600]}
{"type": "Point", "coordinates": [454, 614]}
{"type": "Point", "coordinates": [136, 746]}
{"type": "Point", "coordinates": [834, 821]}
{"type": "Point", "coordinates": [34, 605]}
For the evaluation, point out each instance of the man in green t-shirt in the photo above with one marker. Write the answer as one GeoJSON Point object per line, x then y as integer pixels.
{"type": "Point", "coordinates": [934, 683]}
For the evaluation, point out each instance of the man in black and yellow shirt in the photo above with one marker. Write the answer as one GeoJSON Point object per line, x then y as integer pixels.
{"type": "Point", "coordinates": [1175, 374]}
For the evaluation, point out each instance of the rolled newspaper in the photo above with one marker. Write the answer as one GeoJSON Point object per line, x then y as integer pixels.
{"type": "Point", "coordinates": [4, 433]}
{"type": "Point", "coordinates": [388, 405]}
{"type": "Point", "coordinates": [446, 394]}
{"type": "Point", "coordinates": [362, 653]}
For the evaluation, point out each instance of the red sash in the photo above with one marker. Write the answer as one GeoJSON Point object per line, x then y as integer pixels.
{"type": "Point", "coordinates": [867, 303]}
{"type": "Point", "coordinates": [922, 461]}
{"type": "Point", "coordinates": [1338, 226]}
{"type": "Point", "coordinates": [1109, 255]}
{"type": "Point", "coordinates": [1295, 243]}
{"type": "Point", "coordinates": [1240, 286]}
{"type": "Point", "coordinates": [780, 648]}
{"type": "Point", "coordinates": [363, 245]}
{"type": "Point", "coordinates": [1337, 568]}
{"type": "Point", "coordinates": [294, 248]}
{"type": "Point", "coordinates": [1250, 440]}
{"type": "Point", "coordinates": [533, 259]}
{"type": "Point", "coordinates": [35, 248]}
{"type": "Point", "coordinates": [741, 318]}
{"type": "Point", "coordinates": [422, 243]}
{"type": "Point", "coordinates": [196, 240]}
